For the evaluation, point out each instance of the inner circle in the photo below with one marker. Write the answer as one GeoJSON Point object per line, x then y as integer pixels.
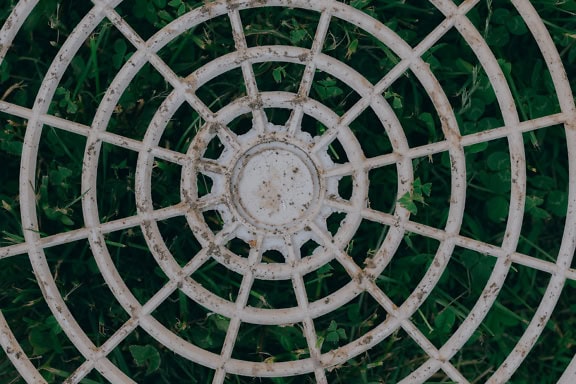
{"type": "Point", "coordinates": [274, 184]}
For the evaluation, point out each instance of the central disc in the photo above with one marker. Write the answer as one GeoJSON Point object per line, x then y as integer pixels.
{"type": "Point", "coordinates": [274, 185]}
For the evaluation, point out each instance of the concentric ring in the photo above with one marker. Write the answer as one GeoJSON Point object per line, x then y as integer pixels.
{"type": "Point", "coordinates": [275, 187]}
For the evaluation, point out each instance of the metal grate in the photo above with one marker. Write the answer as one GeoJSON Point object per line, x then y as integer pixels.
{"type": "Point", "coordinates": [274, 188]}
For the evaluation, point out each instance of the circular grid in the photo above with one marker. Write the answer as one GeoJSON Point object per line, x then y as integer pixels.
{"type": "Point", "coordinates": [282, 214]}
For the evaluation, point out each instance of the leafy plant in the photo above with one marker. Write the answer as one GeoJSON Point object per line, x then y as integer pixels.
{"type": "Point", "coordinates": [416, 195]}
{"type": "Point", "coordinates": [333, 335]}
{"type": "Point", "coordinates": [146, 356]}
{"type": "Point", "coordinates": [489, 179]}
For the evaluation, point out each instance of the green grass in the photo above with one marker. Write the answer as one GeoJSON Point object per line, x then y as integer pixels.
{"type": "Point", "coordinates": [459, 72]}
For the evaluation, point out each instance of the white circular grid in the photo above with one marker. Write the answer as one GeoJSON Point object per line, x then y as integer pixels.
{"type": "Point", "coordinates": [288, 235]}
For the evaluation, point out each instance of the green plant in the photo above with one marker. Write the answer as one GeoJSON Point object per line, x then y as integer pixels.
{"type": "Point", "coordinates": [489, 177]}
{"type": "Point", "coordinates": [416, 195]}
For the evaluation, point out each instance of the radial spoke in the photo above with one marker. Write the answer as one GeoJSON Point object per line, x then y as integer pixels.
{"type": "Point", "coordinates": [241, 302]}
{"type": "Point", "coordinates": [327, 137]}
{"type": "Point", "coordinates": [395, 73]}
{"type": "Point", "coordinates": [467, 140]}
{"type": "Point", "coordinates": [228, 138]}
{"type": "Point", "coordinates": [13, 250]}
{"type": "Point", "coordinates": [236, 211]}
{"type": "Point", "coordinates": [309, 329]}
{"type": "Point", "coordinates": [260, 120]}
{"type": "Point", "coordinates": [182, 86]}
{"type": "Point", "coordinates": [308, 323]}
{"type": "Point", "coordinates": [433, 352]}
{"type": "Point", "coordinates": [129, 326]}
{"type": "Point", "coordinates": [356, 273]}
{"type": "Point", "coordinates": [390, 77]}
{"type": "Point", "coordinates": [345, 260]}
{"type": "Point", "coordinates": [179, 84]}
{"type": "Point", "coordinates": [340, 170]}
{"type": "Point", "coordinates": [120, 335]}
{"type": "Point", "coordinates": [208, 202]}
{"type": "Point", "coordinates": [521, 127]}
{"type": "Point", "coordinates": [465, 242]}
{"type": "Point", "coordinates": [81, 372]}
{"type": "Point", "coordinates": [317, 45]}
{"type": "Point", "coordinates": [104, 136]}
{"type": "Point", "coordinates": [205, 165]}
{"type": "Point", "coordinates": [306, 83]}
{"type": "Point", "coordinates": [371, 163]}
{"type": "Point", "coordinates": [104, 228]}
{"type": "Point", "coordinates": [340, 205]}
{"type": "Point", "coordinates": [359, 277]}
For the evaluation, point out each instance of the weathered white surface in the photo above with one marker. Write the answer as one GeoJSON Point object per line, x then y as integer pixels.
{"type": "Point", "coordinates": [275, 186]}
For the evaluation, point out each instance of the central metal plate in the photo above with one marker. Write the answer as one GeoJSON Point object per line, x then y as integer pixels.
{"type": "Point", "coordinates": [274, 184]}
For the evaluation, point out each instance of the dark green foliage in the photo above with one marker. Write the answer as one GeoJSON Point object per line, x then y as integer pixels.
{"type": "Point", "coordinates": [466, 86]}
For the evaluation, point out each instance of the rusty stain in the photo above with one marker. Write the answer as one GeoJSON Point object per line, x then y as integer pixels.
{"type": "Point", "coordinates": [316, 205]}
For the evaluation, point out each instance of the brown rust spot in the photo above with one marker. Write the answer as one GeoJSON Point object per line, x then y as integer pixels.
{"type": "Point", "coordinates": [542, 321]}
{"type": "Point", "coordinates": [366, 340]}
{"type": "Point", "coordinates": [369, 262]}
{"type": "Point", "coordinates": [420, 294]}
{"type": "Point", "coordinates": [303, 57]}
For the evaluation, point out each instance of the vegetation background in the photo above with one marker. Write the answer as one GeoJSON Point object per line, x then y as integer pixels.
{"type": "Point", "coordinates": [488, 170]}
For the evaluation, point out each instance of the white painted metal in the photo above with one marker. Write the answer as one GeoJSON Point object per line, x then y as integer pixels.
{"type": "Point", "coordinates": [259, 202]}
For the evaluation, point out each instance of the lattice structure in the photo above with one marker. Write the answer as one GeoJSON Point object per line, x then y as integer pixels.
{"type": "Point", "coordinates": [273, 189]}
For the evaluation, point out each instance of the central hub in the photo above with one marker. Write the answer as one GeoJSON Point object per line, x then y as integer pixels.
{"type": "Point", "coordinates": [274, 185]}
